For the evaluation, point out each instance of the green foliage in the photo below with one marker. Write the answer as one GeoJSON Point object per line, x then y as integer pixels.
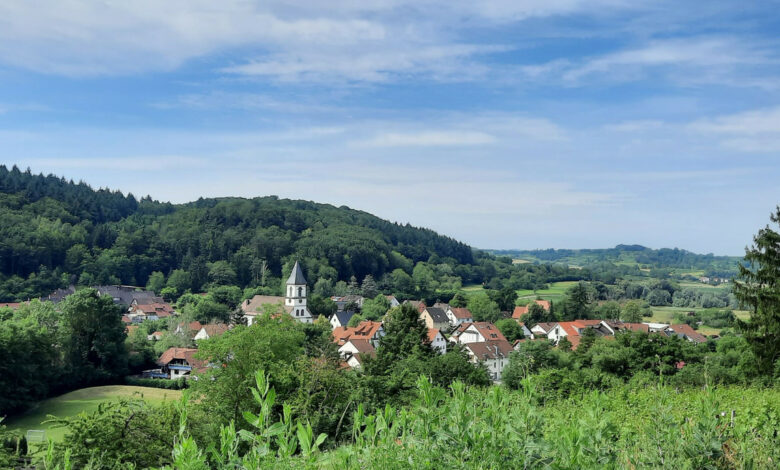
{"type": "Point", "coordinates": [482, 308]}
{"type": "Point", "coordinates": [759, 289]}
{"type": "Point", "coordinates": [510, 329]}
{"type": "Point", "coordinates": [577, 304]}
{"type": "Point", "coordinates": [375, 309]}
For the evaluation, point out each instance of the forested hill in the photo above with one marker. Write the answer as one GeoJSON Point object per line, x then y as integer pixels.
{"type": "Point", "coordinates": [55, 232]}
{"type": "Point", "coordinates": [673, 258]}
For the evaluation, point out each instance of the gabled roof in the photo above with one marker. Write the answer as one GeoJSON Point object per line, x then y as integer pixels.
{"type": "Point", "coordinates": [462, 313]}
{"type": "Point", "coordinates": [488, 330]}
{"type": "Point", "coordinates": [254, 305]}
{"type": "Point", "coordinates": [689, 333]}
{"type": "Point", "coordinates": [186, 354]}
{"type": "Point", "coordinates": [433, 333]}
{"type": "Point", "coordinates": [214, 329]}
{"type": "Point", "coordinates": [442, 305]}
{"type": "Point", "coordinates": [490, 349]}
{"type": "Point", "coordinates": [546, 327]}
{"type": "Point", "coordinates": [522, 310]}
{"type": "Point", "coordinates": [437, 315]}
{"type": "Point", "coordinates": [418, 304]}
{"type": "Point", "coordinates": [365, 330]}
{"type": "Point", "coordinates": [362, 345]}
{"type": "Point", "coordinates": [296, 277]}
{"type": "Point", "coordinates": [344, 317]}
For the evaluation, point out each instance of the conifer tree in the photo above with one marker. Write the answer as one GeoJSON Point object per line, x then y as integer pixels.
{"type": "Point", "coordinates": [759, 290]}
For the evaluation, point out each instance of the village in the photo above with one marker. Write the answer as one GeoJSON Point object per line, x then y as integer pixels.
{"type": "Point", "coordinates": [447, 326]}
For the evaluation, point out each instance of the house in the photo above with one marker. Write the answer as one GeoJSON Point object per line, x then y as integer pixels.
{"type": "Point", "coordinates": [442, 305]}
{"type": "Point", "coordinates": [353, 350]}
{"type": "Point", "coordinates": [190, 329]}
{"type": "Point", "coordinates": [156, 336]}
{"type": "Point", "coordinates": [656, 327]}
{"type": "Point", "coordinates": [618, 326]}
{"type": "Point", "coordinates": [494, 354]}
{"type": "Point", "coordinates": [180, 362]}
{"type": "Point", "coordinates": [340, 319]}
{"type": "Point", "coordinates": [393, 301]}
{"type": "Point", "coordinates": [343, 301]}
{"type": "Point", "coordinates": [294, 301]}
{"type": "Point", "coordinates": [519, 311]}
{"type": "Point", "coordinates": [686, 332]}
{"type": "Point", "coordinates": [459, 315]}
{"type": "Point", "coordinates": [210, 331]}
{"type": "Point", "coordinates": [435, 318]}
{"type": "Point", "coordinates": [477, 332]}
{"type": "Point", "coordinates": [526, 332]}
{"type": "Point", "coordinates": [129, 295]}
{"type": "Point", "coordinates": [152, 311]}
{"type": "Point", "coordinates": [437, 340]}
{"type": "Point", "coordinates": [418, 304]}
{"type": "Point", "coordinates": [542, 329]}
{"type": "Point", "coordinates": [59, 295]}
{"type": "Point", "coordinates": [371, 331]}
{"type": "Point", "coordinates": [573, 330]}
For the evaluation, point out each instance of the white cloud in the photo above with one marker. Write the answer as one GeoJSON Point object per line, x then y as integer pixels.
{"type": "Point", "coordinates": [288, 41]}
{"type": "Point", "coordinates": [753, 122]}
{"type": "Point", "coordinates": [636, 126]}
{"type": "Point", "coordinates": [428, 139]}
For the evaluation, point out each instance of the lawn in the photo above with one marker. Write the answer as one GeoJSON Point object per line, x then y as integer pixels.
{"type": "Point", "coordinates": [667, 315]}
{"type": "Point", "coordinates": [83, 400]}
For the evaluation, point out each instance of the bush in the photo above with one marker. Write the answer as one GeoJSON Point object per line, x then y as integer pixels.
{"type": "Point", "coordinates": [177, 384]}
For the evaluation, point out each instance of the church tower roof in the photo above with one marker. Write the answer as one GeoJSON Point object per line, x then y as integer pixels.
{"type": "Point", "coordinates": [296, 277]}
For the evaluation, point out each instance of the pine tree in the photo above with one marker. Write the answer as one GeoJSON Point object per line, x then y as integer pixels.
{"type": "Point", "coordinates": [369, 288]}
{"type": "Point", "coordinates": [759, 290]}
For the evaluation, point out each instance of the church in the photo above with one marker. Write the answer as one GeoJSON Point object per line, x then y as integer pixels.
{"type": "Point", "coordinates": [294, 301]}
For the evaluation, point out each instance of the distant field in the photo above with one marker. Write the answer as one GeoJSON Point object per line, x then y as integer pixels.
{"type": "Point", "coordinates": [667, 314]}
{"type": "Point", "coordinates": [555, 293]}
{"type": "Point", "coordinates": [84, 400]}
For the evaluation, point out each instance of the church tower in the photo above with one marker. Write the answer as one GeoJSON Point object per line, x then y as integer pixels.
{"type": "Point", "coordinates": [295, 296]}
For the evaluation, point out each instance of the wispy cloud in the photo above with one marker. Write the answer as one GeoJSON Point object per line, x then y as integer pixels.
{"type": "Point", "coordinates": [428, 139]}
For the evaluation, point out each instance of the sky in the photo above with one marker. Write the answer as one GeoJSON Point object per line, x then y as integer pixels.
{"type": "Point", "coordinates": [505, 124]}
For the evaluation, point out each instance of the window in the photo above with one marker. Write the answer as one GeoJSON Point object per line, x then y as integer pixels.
{"type": "Point", "coordinates": [300, 292]}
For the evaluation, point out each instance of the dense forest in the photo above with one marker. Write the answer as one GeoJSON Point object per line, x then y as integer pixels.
{"type": "Point", "coordinates": [56, 232]}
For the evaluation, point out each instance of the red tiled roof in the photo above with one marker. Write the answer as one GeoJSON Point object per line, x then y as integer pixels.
{"type": "Point", "coordinates": [11, 305]}
{"type": "Point", "coordinates": [522, 310]}
{"type": "Point", "coordinates": [432, 333]}
{"type": "Point", "coordinates": [214, 329]}
{"type": "Point", "coordinates": [489, 331]}
{"type": "Point", "coordinates": [365, 330]}
{"type": "Point", "coordinates": [186, 354]}
{"type": "Point", "coordinates": [462, 313]}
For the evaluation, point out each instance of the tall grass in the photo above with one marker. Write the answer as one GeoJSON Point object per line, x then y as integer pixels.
{"type": "Point", "coordinates": [499, 429]}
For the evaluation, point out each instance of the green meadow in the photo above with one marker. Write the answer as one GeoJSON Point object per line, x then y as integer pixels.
{"type": "Point", "coordinates": [84, 400]}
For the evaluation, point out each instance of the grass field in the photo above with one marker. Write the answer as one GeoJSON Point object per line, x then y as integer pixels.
{"type": "Point", "coordinates": [555, 293]}
{"type": "Point", "coordinates": [667, 315]}
{"type": "Point", "coordinates": [84, 400]}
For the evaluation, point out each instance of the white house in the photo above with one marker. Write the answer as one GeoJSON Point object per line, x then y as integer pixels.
{"type": "Point", "coordinates": [354, 349]}
{"type": "Point", "coordinates": [340, 319]}
{"type": "Point", "coordinates": [211, 330]}
{"type": "Point", "coordinates": [459, 316]}
{"type": "Point", "coordinates": [393, 301]}
{"type": "Point", "coordinates": [180, 362]}
{"type": "Point", "coordinates": [438, 342]}
{"type": "Point", "coordinates": [494, 354]}
{"type": "Point", "coordinates": [478, 332]}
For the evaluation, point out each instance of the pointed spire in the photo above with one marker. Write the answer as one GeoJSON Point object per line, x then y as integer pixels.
{"type": "Point", "coordinates": [296, 277]}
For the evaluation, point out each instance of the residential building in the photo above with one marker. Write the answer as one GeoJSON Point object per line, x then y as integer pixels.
{"type": "Point", "coordinates": [340, 319]}
{"type": "Point", "coordinates": [354, 350]}
{"type": "Point", "coordinates": [435, 318]}
{"type": "Point", "coordinates": [393, 301]}
{"type": "Point", "coordinates": [494, 354]}
{"type": "Point", "coordinates": [459, 315]}
{"type": "Point", "coordinates": [477, 332]}
{"type": "Point", "coordinates": [180, 362]}
{"type": "Point", "coordinates": [685, 331]}
{"type": "Point", "coordinates": [519, 311]}
{"type": "Point", "coordinates": [370, 331]}
{"type": "Point", "coordinates": [437, 340]}
{"type": "Point", "coordinates": [211, 330]}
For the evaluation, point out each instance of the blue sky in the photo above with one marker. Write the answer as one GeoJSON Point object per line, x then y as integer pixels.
{"type": "Point", "coordinates": [505, 124]}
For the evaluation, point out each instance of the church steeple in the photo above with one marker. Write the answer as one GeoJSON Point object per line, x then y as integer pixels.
{"type": "Point", "coordinates": [295, 296]}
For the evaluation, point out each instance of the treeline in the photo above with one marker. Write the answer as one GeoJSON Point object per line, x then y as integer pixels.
{"type": "Point", "coordinates": [664, 258]}
{"type": "Point", "coordinates": [44, 351]}
{"type": "Point", "coordinates": [56, 232]}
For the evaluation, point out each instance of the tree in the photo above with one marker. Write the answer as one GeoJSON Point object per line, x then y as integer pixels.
{"type": "Point", "coordinates": [374, 309]}
{"type": "Point", "coordinates": [156, 282]}
{"type": "Point", "coordinates": [405, 335]}
{"type": "Point", "coordinates": [505, 298]}
{"type": "Point", "coordinates": [510, 329]}
{"type": "Point", "coordinates": [355, 320]}
{"type": "Point", "coordinates": [632, 312]}
{"type": "Point", "coordinates": [369, 288]}
{"type": "Point", "coordinates": [759, 290]}
{"type": "Point", "coordinates": [94, 336]}
{"type": "Point", "coordinates": [537, 314]}
{"type": "Point", "coordinates": [270, 344]}
{"type": "Point", "coordinates": [483, 308]}
{"type": "Point", "coordinates": [319, 305]}
{"type": "Point", "coordinates": [221, 273]}
{"type": "Point", "coordinates": [564, 344]}
{"type": "Point", "coordinates": [576, 306]}
{"type": "Point", "coordinates": [609, 310]}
